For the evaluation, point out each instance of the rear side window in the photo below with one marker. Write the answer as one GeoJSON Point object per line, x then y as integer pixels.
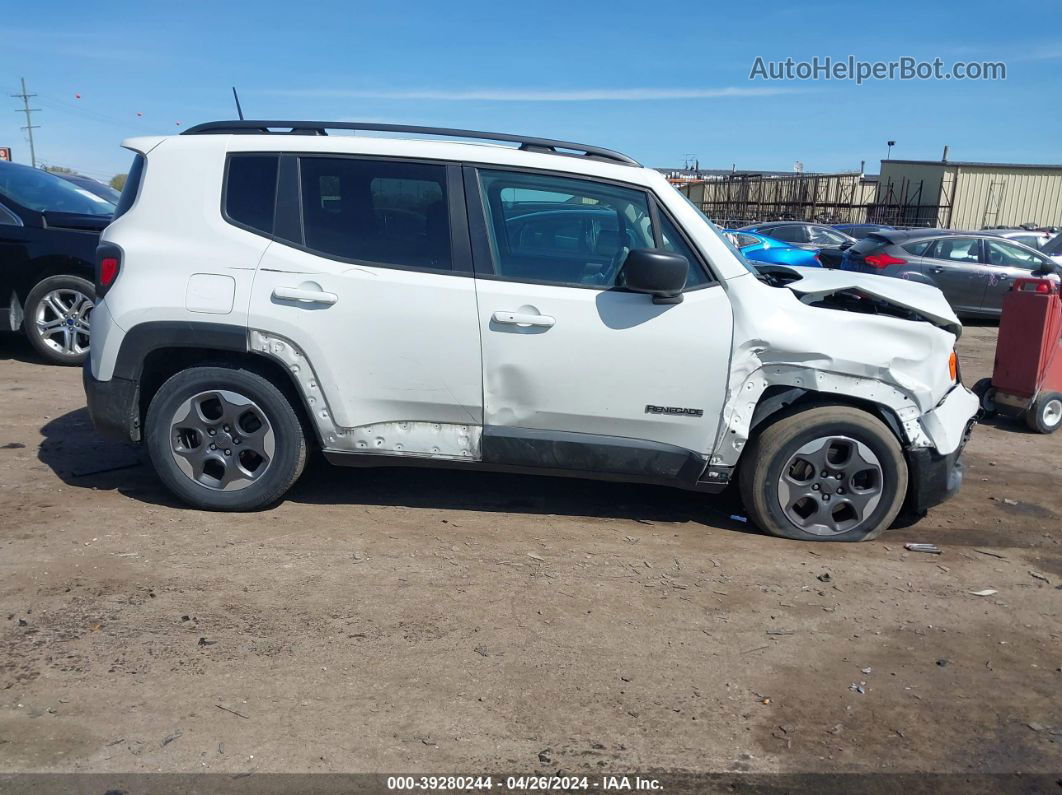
{"type": "Point", "coordinates": [132, 186]}
{"type": "Point", "coordinates": [790, 233]}
{"type": "Point", "coordinates": [251, 191]}
{"type": "Point", "coordinates": [956, 249]}
{"type": "Point", "coordinates": [377, 211]}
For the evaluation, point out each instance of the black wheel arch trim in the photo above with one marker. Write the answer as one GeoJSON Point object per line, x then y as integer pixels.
{"type": "Point", "coordinates": [144, 338]}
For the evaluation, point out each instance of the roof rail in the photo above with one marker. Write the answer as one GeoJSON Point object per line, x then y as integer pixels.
{"type": "Point", "coordinates": [261, 127]}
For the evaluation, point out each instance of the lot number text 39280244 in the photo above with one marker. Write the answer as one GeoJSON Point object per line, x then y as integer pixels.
{"type": "Point", "coordinates": [523, 783]}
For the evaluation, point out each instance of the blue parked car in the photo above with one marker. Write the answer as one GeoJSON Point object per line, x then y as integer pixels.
{"type": "Point", "coordinates": [820, 239]}
{"type": "Point", "coordinates": [760, 248]}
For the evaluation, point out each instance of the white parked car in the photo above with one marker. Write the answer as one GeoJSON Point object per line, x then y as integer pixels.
{"type": "Point", "coordinates": [546, 308]}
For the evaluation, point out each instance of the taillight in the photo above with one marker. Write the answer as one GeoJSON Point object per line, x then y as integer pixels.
{"type": "Point", "coordinates": [108, 271]}
{"type": "Point", "coordinates": [881, 260]}
{"type": "Point", "coordinates": [108, 266]}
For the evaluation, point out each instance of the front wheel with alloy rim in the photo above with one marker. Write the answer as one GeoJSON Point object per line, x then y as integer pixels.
{"type": "Point", "coordinates": [829, 473]}
{"type": "Point", "coordinates": [56, 318]}
{"type": "Point", "coordinates": [224, 439]}
{"type": "Point", "coordinates": [1045, 414]}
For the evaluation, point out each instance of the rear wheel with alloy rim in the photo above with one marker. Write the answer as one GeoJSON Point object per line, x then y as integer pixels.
{"type": "Point", "coordinates": [56, 318]}
{"type": "Point", "coordinates": [829, 473]}
{"type": "Point", "coordinates": [224, 439]}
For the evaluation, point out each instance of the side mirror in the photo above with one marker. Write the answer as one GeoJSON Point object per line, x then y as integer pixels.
{"type": "Point", "coordinates": [659, 273]}
{"type": "Point", "coordinates": [846, 245]}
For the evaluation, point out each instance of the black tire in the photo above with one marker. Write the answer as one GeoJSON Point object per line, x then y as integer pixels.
{"type": "Point", "coordinates": [285, 461]}
{"type": "Point", "coordinates": [40, 340]}
{"type": "Point", "coordinates": [772, 450]}
{"type": "Point", "coordinates": [1045, 414]}
{"type": "Point", "coordinates": [986, 393]}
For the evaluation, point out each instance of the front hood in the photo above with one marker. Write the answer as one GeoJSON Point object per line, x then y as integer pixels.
{"type": "Point", "coordinates": [923, 300]}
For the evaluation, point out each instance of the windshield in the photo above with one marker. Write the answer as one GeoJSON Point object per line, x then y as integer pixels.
{"type": "Point", "coordinates": [38, 190]}
{"type": "Point", "coordinates": [719, 233]}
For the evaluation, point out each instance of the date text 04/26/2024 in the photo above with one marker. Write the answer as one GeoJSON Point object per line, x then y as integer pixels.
{"type": "Point", "coordinates": [523, 783]}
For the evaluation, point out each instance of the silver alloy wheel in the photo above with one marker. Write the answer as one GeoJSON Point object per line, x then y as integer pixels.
{"type": "Point", "coordinates": [222, 440]}
{"type": "Point", "coordinates": [1051, 414]}
{"type": "Point", "coordinates": [62, 320]}
{"type": "Point", "coordinates": [830, 485]}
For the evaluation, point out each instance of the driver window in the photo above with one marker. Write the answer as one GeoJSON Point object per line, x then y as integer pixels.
{"type": "Point", "coordinates": [557, 230]}
{"type": "Point", "coordinates": [1008, 256]}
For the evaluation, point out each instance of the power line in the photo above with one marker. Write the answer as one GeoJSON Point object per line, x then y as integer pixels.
{"type": "Point", "coordinates": [30, 127]}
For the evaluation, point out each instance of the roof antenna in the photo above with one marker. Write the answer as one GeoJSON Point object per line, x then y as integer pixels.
{"type": "Point", "coordinates": [236, 97]}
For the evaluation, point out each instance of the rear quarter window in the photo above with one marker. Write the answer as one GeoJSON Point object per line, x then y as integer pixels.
{"type": "Point", "coordinates": [917, 247]}
{"type": "Point", "coordinates": [251, 191]}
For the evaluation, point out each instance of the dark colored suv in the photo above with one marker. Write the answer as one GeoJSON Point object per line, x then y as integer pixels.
{"type": "Point", "coordinates": [973, 269]}
{"type": "Point", "coordinates": [49, 229]}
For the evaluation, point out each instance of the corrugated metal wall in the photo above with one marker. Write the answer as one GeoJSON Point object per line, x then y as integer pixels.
{"type": "Point", "coordinates": [971, 197]}
{"type": "Point", "coordinates": [991, 197]}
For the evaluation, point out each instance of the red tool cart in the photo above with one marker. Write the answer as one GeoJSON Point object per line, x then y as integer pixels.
{"type": "Point", "coordinates": [1027, 376]}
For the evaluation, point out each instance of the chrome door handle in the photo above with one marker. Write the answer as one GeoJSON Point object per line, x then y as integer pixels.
{"type": "Point", "coordinates": [937, 270]}
{"type": "Point", "coordinates": [521, 319]}
{"type": "Point", "coordinates": [309, 296]}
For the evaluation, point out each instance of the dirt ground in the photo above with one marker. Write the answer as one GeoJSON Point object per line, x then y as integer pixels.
{"type": "Point", "coordinates": [438, 621]}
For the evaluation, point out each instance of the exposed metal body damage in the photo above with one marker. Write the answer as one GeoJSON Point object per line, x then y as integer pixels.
{"type": "Point", "coordinates": [451, 441]}
{"type": "Point", "coordinates": [803, 342]}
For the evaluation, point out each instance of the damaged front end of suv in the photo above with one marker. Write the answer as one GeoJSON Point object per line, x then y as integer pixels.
{"type": "Point", "coordinates": [810, 337]}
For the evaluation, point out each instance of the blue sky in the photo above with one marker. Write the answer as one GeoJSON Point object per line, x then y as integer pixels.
{"type": "Point", "coordinates": [657, 81]}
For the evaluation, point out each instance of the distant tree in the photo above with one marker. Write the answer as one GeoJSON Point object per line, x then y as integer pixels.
{"type": "Point", "coordinates": [59, 170]}
{"type": "Point", "coordinates": [118, 181]}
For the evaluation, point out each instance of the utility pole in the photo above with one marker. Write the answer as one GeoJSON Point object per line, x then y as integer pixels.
{"type": "Point", "coordinates": [30, 127]}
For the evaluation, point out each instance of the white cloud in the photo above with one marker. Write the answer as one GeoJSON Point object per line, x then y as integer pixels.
{"type": "Point", "coordinates": [538, 95]}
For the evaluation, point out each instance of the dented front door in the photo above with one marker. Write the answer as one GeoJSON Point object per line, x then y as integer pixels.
{"type": "Point", "coordinates": [604, 362]}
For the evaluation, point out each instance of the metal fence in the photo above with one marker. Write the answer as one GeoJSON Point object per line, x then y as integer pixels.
{"type": "Point", "coordinates": [740, 199]}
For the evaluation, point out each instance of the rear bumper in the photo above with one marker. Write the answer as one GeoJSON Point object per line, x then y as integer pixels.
{"type": "Point", "coordinates": [114, 406]}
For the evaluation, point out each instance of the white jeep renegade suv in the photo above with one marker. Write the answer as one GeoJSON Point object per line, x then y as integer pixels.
{"type": "Point", "coordinates": [546, 308]}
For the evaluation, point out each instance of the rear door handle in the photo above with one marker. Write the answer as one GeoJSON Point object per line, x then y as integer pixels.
{"type": "Point", "coordinates": [521, 319]}
{"type": "Point", "coordinates": [937, 270]}
{"type": "Point", "coordinates": [309, 296]}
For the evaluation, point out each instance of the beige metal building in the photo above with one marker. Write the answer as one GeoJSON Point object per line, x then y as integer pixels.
{"type": "Point", "coordinates": [973, 195]}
